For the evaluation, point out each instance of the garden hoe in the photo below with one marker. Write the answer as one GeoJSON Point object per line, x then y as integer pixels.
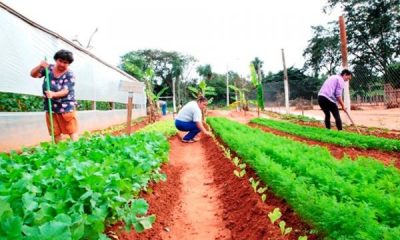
{"type": "Point", "coordinates": [352, 122]}
{"type": "Point", "coordinates": [47, 77]}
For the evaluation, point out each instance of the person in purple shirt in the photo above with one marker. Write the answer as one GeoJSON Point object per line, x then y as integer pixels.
{"type": "Point", "coordinates": [330, 94]}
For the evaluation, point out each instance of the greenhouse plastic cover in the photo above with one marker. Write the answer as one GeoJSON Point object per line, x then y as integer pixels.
{"type": "Point", "coordinates": [24, 44]}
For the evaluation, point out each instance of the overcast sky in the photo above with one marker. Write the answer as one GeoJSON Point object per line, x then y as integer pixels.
{"type": "Point", "coordinates": [225, 34]}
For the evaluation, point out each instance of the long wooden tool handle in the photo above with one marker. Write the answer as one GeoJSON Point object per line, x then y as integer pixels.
{"type": "Point", "coordinates": [49, 102]}
{"type": "Point", "coordinates": [352, 122]}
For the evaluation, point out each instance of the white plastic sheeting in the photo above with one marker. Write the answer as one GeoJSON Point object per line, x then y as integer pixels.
{"type": "Point", "coordinates": [24, 44]}
{"type": "Point", "coordinates": [27, 129]}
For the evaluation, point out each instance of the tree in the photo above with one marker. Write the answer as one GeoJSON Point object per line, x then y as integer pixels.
{"type": "Point", "coordinates": [205, 71]}
{"type": "Point", "coordinates": [152, 98]}
{"type": "Point", "coordinates": [301, 85]}
{"type": "Point", "coordinates": [323, 50]}
{"type": "Point", "coordinates": [392, 75]}
{"type": "Point", "coordinates": [218, 82]}
{"type": "Point", "coordinates": [168, 66]}
{"type": "Point", "coordinates": [373, 30]}
{"type": "Point", "coordinates": [258, 64]}
{"type": "Point", "coordinates": [135, 64]}
{"type": "Point", "coordinates": [364, 81]}
{"type": "Point", "coordinates": [203, 89]}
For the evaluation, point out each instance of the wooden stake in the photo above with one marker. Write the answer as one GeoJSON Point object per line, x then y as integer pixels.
{"type": "Point", "coordinates": [129, 118]}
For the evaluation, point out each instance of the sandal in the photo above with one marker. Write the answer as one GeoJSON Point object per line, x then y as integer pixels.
{"type": "Point", "coordinates": [188, 141]}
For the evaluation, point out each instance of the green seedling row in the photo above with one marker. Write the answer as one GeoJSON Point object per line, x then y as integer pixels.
{"type": "Point", "coordinates": [341, 206]}
{"type": "Point", "coordinates": [165, 127]}
{"type": "Point", "coordinates": [342, 138]}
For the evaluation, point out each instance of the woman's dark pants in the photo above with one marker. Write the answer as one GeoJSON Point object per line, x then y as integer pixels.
{"type": "Point", "coordinates": [189, 127]}
{"type": "Point", "coordinates": [330, 107]}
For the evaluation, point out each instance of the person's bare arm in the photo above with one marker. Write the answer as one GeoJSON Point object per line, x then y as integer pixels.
{"type": "Point", "coordinates": [201, 127]}
{"type": "Point", "coordinates": [35, 72]}
{"type": "Point", "coordinates": [59, 94]}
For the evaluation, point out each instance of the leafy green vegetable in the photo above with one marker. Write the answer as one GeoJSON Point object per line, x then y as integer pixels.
{"type": "Point", "coordinates": [284, 229]}
{"type": "Point", "coordinates": [275, 215]}
{"type": "Point", "coordinates": [74, 189]}
{"type": "Point", "coordinates": [263, 197]}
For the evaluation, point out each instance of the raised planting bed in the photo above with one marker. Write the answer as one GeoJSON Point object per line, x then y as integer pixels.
{"type": "Point", "coordinates": [74, 189]}
{"type": "Point", "coordinates": [342, 138]}
{"type": "Point", "coordinates": [336, 197]}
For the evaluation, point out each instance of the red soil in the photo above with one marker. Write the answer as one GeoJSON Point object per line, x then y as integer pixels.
{"type": "Point", "coordinates": [339, 151]}
{"type": "Point", "coordinates": [393, 134]}
{"type": "Point", "coordinates": [203, 199]}
{"type": "Point", "coordinates": [243, 210]}
{"type": "Point", "coordinates": [162, 200]}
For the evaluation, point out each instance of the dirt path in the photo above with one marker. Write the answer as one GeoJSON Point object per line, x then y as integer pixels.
{"type": "Point", "coordinates": [198, 214]}
{"type": "Point", "coordinates": [187, 204]}
{"type": "Point", "coordinates": [203, 199]}
{"type": "Point", "coordinates": [245, 214]}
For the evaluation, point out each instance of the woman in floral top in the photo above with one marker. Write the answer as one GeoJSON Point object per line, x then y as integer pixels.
{"type": "Point", "coordinates": [62, 94]}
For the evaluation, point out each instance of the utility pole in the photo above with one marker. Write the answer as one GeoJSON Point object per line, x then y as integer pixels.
{"type": "Point", "coordinates": [285, 82]}
{"type": "Point", "coordinates": [236, 97]}
{"type": "Point", "coordinates": [179, 88]}
{"type": "Point", "coordinates": [345, 64]}
{"type": "Point", "coordinates": [259, 73]}
{"type": "Point", "coordinates": [260, 82]}
{"type": "Point", "coordinates": [173, 94]}
{"type": "Point", "coordinates": [227, 86]}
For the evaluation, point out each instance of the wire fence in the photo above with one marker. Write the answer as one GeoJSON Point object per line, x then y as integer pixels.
{"type": "Point", "coordinates": [274, 94]}
{"type": "Point", "coordinates": [367, 88]}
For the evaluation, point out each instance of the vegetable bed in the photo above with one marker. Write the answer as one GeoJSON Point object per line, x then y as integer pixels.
{"type": "Point", "coordinates": [342, 138]}
{"type": "Point", "coordinates": [74, 189]}
{"type": "Point", "coordinates": [342, 199]}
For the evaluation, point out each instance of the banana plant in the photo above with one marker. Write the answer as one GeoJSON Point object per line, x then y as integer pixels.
{"type": "Point", "coordinates": [151, 96]}
{"type": "Point", "coordinates": [257, 84]}
{"type": "Point", "coordinates": [243, 103]}
{"type": "Point", "coordinates": [203, 90]}
{"type": "Point", "coordinates": [156, 97]}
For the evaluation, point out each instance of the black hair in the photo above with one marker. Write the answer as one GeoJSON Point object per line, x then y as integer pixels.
{"type": "Point", "coordinates": [346, 72]}
{"type": "Point", "coordinates": [202, 99]}
{"type": "Point", "coordinates": [64, 55]}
